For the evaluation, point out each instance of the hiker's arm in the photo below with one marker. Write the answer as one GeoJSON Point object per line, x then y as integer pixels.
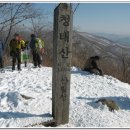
{"type": "Point", "coordinates": [23, 45]}
{"type": "Point", "coordinates": [30, 44]}
{"type": "Point", "coordinates": [43, 43]}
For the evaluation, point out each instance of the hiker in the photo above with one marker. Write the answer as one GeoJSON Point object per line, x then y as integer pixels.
{"type": "Point", "coordinates": [92, 65]}
{"type": "Point", "coordinates": [37, 49]}
{"type": "Point", "coordinates": [26, 53]}
{"type": "Point", "coordinates": [16, 45]}
{"type": "Point", "coordinates": [1, 55]}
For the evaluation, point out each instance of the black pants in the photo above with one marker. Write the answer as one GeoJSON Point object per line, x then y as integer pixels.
{"type": "Point", "coordinates": [16, 56]}
{"type": "Point", "coordinates": [91, 70]}
{"type": "Point", "coordinates": [25, 63]}
{"type": "Point", "coordinates": [1, 62]}
{"type": "Point", "coordinates": [36, 58]}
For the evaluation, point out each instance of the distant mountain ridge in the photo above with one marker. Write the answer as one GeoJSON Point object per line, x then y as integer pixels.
{"type": "Point", "coordinates": [102, 44]}
{"type": "Point", "coordinates": [86, 45]}
{"type": "Point", "coordinates": [96, 44]}
{"type": "Point", "coordinates": [121, 39]}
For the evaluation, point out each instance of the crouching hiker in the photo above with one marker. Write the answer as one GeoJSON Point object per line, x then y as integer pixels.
{"type": "Point", "coordinates": [91, 65]}
{"type": "Point", "coordinates": [16, 45]}
{"type": "Point", "coordinates": [1, 56]}
{"type": "Point", "coordinates": [37, 49]}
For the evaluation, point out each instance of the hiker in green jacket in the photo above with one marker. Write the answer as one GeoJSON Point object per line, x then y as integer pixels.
{"type": "Point", "coordinates": [16, 45]}
{"type": "Point", "coordinates": [37, 49]}
{"type": "Point", "coordinates": [25, 53]}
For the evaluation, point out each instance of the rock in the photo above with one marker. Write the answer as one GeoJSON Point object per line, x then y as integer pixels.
{"type": "Point", "coordinates": [26, 97]}
{"type": "Point", "coordinates": [109, 103]}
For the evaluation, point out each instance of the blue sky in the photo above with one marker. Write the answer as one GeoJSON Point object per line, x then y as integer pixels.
{"type": "Point", "coordinates": [98, 17]}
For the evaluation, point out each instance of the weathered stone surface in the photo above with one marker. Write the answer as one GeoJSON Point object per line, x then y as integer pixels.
{"type": "Point", "coordinates": [62, 54]}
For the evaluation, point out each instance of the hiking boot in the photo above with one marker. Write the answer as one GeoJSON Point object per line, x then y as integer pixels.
{"type": "Point", "coordinates": [13, 69]}
{"type": "Point", "coordinates": [19, 69]}
{"type": "Point", "coordinates": [25, 64]}
{"type": "Point", "coordinates": [35, 67]}
{"type": "Point", "coordinates": [39, 66]}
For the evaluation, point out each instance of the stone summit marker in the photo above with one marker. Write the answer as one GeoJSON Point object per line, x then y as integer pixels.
{"type": "Point", "coordinates": [62, 54]}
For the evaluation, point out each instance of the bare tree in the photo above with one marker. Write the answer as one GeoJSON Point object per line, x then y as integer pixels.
{"type": "Point", "coordinates": [13, 14]}
{"type": "Point", "coordinates": [125, 65]}
{"type": "Point", "coordinates": [38, 25]}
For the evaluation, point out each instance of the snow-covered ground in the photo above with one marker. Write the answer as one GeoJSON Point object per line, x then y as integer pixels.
{"type": "Point", "coordinates": [16, 111]}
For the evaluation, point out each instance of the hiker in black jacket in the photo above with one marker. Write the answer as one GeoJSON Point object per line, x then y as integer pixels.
{"type": "Point", "coordinates": [92, 65]}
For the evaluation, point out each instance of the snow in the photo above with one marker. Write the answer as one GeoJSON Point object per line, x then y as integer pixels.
{"type": "Point", "coordinates": [16, 111]}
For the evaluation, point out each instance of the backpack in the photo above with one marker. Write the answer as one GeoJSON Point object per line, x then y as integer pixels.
{"type": "Point", "coordinates": [40, 45]}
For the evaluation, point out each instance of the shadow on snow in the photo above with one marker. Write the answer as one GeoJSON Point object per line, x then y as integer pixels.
{"type": "Point", "coordinates": [86, 73]}
{"type": "Point", "coordinates": [8, 115]}
{"type": "Point", "coordinates": [122, 102]}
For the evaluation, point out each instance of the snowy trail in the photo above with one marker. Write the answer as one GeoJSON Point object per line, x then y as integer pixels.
{"type": "Point", "coordinates": [36, 84]}
{"type": "Point", "coordinates": [86, 89]}
{"type": "Point", "coordinates": [15, 111]}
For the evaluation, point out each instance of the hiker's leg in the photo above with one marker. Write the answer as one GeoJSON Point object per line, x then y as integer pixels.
{"type": "Point", "coordinates": [100, 71]}
{"type": "Point", "coordinates": [90, 70]}
{"type": "Point", "coordinates": [0, 61]}
{"type": "Point", "coordinates": [13, 61]}
{"type": "Point", "coordinates": [35, 59]}
{"type": "Point", "coordinates": [39, 59]}
{"type": "Point", "coordinates": [19, 61]}
{"type": "Point", "coordinates": [85, 69]}
{"type": "Point", "coordinates": [25, 63]}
